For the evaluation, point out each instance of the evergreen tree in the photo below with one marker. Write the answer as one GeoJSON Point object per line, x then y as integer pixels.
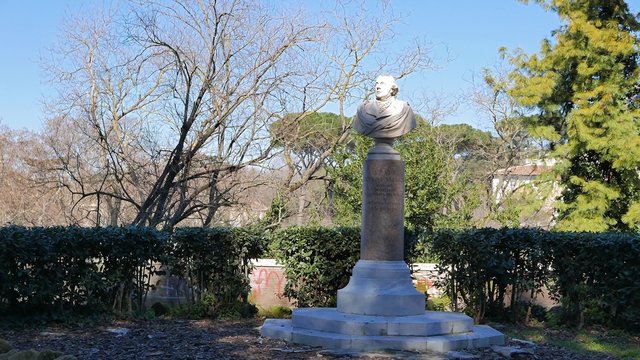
{"type": "Point", "coordinates": [582, 90]}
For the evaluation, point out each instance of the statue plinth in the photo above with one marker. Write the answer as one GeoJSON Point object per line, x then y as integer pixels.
{"type": "Point", "coordinates": [382, 231]}
{"type": "Point", "coordinates": [383, 150]}
{"type": "Point", "coordinates": [381, 282]}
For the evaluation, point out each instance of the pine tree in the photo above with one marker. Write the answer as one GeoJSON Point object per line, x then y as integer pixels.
{"type": "Point", "coordinates": [582, 90]}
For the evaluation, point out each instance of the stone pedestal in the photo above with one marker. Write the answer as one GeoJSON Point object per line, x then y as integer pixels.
{"type": "Point", "coordinates": [381, 288]}
{"type": "Point", "coordinates": [381, 283]}
{"type": "Point", "coordinates": [380, 308]}
{"type": "Point", "coordinates": [382, 231]}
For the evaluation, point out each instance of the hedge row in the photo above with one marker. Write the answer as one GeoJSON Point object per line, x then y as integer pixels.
{"type": "Point", "coordinates": [595, 276]}
{"type": "Point", "coordinates": [71, 268]}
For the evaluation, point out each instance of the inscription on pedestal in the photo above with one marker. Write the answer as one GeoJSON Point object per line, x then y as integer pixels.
{"type": "Point", "coordinates": [382, 210]}
{"type": "Point", "coordinates": [381, 192]}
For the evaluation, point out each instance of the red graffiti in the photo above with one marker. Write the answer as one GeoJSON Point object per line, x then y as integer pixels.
{"type": "Point", "coordinates": [422, 284]}
{"type": "Point", "coordinates": [267, 282]}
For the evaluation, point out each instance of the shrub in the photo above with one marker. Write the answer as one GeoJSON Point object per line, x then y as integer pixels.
{"type": "Point", "coordinates": [481, 265]}
{"type": "Point", "coordinates": [318, 261]}
{"type": "Point", "coordinates": [593, 275]}
{"type": "Point", "coordinates": [130, 257]}
{"type": "Point", "coordinates": [275, 312]}
{"type": "Point", "coordinates": [440, 303]}
{"type": "Point", "coordinates": [61, 269]}
{"type": "Point", "coordinates": [58, 268]}
{"type": "Point", "coordinates": [216, 262]}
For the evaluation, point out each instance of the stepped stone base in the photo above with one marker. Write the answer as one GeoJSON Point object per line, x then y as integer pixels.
{"type": "Point", "coordinates": [433, 331]}
{"type": "Point", "coordinates": [382, 288]}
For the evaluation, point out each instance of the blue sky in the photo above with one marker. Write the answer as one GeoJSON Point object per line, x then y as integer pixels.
{"type": "Point", "coordinates": [471, 30]}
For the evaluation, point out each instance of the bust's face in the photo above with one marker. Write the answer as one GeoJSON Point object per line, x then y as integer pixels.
{"type": "Point", "coordinates": [383, 87]}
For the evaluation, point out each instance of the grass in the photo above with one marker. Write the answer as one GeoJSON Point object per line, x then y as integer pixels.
{"type": "Point", "coordinates": [615, 343]}
{"type": "Point", "coordinates": [275, 312]}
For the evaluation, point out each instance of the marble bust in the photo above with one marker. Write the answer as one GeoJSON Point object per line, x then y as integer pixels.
{"type": "Point", "coordinates": [385, 117]}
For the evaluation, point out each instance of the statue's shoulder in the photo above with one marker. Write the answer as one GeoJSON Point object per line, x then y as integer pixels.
{"type": "Point", "coordinates": [365, 105]}
{"type": "Point", "coordinates": [405, 106]}
{"type": "Point", "coordinates": [403, 103]}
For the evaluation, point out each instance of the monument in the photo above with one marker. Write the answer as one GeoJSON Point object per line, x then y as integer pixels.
{"type": "Point", "coordinates": [380, 308]}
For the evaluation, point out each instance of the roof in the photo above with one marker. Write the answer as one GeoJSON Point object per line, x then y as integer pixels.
{"type": "Point", "coordinates": [524, 170]}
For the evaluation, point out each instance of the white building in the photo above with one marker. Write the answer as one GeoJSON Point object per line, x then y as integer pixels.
{"type": "Point", "coordinates": [524, 181]}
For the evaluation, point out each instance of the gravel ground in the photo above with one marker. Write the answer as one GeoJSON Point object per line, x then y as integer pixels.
{"type": "Point", "coordinates": [215, 339]}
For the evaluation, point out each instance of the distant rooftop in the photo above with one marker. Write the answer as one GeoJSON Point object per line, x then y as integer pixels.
{"type": "Point", "coordinates": [525, 170]}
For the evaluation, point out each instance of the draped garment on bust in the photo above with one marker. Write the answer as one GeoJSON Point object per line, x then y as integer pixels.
{"type": "Point", "coordinates": [392, 122]}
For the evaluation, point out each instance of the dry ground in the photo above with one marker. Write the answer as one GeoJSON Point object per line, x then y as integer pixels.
{"type": "Point", "coordinates": [204, 339]}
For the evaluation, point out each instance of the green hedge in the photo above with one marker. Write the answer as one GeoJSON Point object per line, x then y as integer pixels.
{"type": "Point", "coordinates": [597, 277]}
{"type": "Point", "coordinates": [61, 269]}
{"type": "Point", "coordinates": [594, 275]}
{"type": "Point", "coordinates": [482, 265]}
{"type": "Point", "coordinates": [216, 262]}
{"type": "Point", "coordinates": [318, 261]}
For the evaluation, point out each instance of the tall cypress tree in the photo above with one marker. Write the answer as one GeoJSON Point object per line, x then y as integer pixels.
{"type": "Point", "coordinates": [582, 90]}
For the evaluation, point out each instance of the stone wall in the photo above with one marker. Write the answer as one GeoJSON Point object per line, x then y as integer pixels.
{"type": "Point", "coordinates": [267, 284]}
{"type": "Point", "coordinates": [268, 280]}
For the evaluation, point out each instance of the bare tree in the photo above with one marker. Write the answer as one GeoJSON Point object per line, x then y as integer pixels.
{"type": "Point", "coordinates": [99, 118]}
{"type": "Point", "coordinates": [162, 103]}
{"type": "Point", "coordinates": [23, 201]}
{"type": "Point", "coordinates": [164, 111]}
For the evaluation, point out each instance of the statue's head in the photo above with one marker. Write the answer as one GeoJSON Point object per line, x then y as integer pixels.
{"type": "Point", "coordinates": [385, 87]}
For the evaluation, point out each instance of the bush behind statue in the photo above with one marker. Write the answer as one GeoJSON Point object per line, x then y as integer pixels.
{"type": "Point", "coordinates": [318, 261]}
{"type": "Point", "coordinates": [216, 262]}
